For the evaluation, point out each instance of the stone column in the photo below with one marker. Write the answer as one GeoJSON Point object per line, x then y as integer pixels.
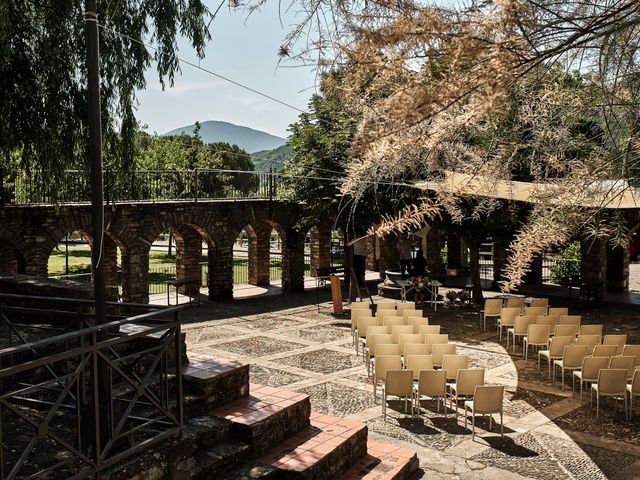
{"type": "Point", "coordinates": [534, 275]}
{"type": "Point", "coordinates": [110, 258]}
{"type": "Point", "coordinates": [293, 262]}
{"type": "Point", "coordinates": [372, 262]}
{"type": "Point", "coordinates": [389, 257]}
{"type": "Point", "coordinates": [11, 261]}
{"type": "Point", "coordinates": [454, 250]}
{"type": "Point", "coordinates": [593, 263]}
{"type": "Point", "coordinates": [259, 263]}
{"type": "Point", "coordinates": [188, 254]}
{"type": "Point", "coordinates": [617, 269]}
{"type": "Point", "coordinates": [434, 253]}
{"type": "Point", "coordinates": [221, 270]}
{"type": "Point", "coordinates": [499, 256]}
{"type": "Point", "coordinates": [320, 246]}
{"type": "Point", "coordinates": [135, 273]}
{"type": "Point", "coordinates": [37, 261]}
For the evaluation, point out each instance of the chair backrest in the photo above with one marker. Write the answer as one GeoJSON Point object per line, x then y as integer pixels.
{"type": "Point", "coordinates": [385, 306]}
{"type": "Point", "coordinates": [405, 338]}
{"type": "Point", "coordinates": [571, 320]}
{"type": "Point", "coordinates": [539, 302]}
{"type": "Point", "coordinates": [631, 351]}
{"type": "Point", "coordinates": [573, 355]}
{"type": "Point", "coordinates": [416, 321]}
{"type": "Point", "coordinates": [468, 379]}
{"type": "Point", "coordinates": [618, 340]}
{"type": "Point", "coordinates": [387, 314]}
{"type": "Point", "coordinates": [452, 363]}
{"type": "Point", "coordinates": [439, 350]}
{"type": "Point", "coordinates": [628, 363]}
{"type": "Point", "coordinates": [431, 339]}
{"type": "Point", "coordinates": [589, 341]}
{"type": "Point", "coordinates": [591, 330]}
{"type": "Point", "coordinates": [488, 398]}
{"type": "Point", "coordinates": [358, 314]}
{"type": "Point", "coordinates": [492, 306]}
{"type": "Point", "coordinates": [521, 324]}
{"type": "Point", "coordinates": [399, 382]}
{"type": "Point", "coordinates": [376, 330]}
{"type": "Point", "coordinates": [402, 307]}
{"type": "Point", "coordinates": [551, 320]}
{"type": "Point", "coordinates": [360, 306]}
{"type": "Point", "coordinates": [538, 334]}
{"type": "Point", "coordinates": [508, 315]}
{"type": "Point", "coordinates": [390, 321]}
{"type": "Point", "coordinates": [398, 330]}
{"type": "Point", "coordinates": [414, 349]}
{"type": "Point", "coordinates": [612, 381]}
{"type": "Point", "coordinates": [566, 331]}
{"type": "Point", "coordinates": [604, 350]}
{"type": "Point", "coordinates": [364, 323]}
{"type": "Point", "coordinates": [558, 311]}
{"type": "Point", "coordinates": [374, 339]}
{"type": "Point", "coordinates": [432, 383]}
{"type": "Point", "coordinates": [515, 302]}
{"type": "Point", "coordinates": [386, 362]}
{"type": "Point", "coordinates": [635, 382]}
{"type": "Point", "coordinates": [427, 329]}
{"type": "Point", "coordinates": [591, 366]}
{"type": "Point", "coordinates": [387, 349]}
{"type": "Point", "coordinates": [412, 312]}
{"type": "Point", "coordinates": [535, 311]}
{"type": "Point", "coordinates": [418, 363]}
{"type": "Point", "coordinates": [558, 343]}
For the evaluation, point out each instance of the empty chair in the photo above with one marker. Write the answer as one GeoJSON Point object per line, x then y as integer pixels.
{"type": "Point", "coordinates": [363, 325]}
{"type": "Point", "coordinates": [360, 306]}
{"type": "Point", "coordinates": [487, 400]}
{"type": "Point", "coordinates": [417, 322]}
{"type": "Point", "coordinates": [402, 307]}
{"type": "Point", "coordinates": [355, 316]}
{"type": "Point", "coordinates": [398, 383]}
{"type": "Point", "coordinates": [452, 363]}
{"type": "Point", "coordinates": [385, 306]}
{"type": "Point", "coordinates": [414, 349]}
{"type": "Point", "coordinates": [634, 390]}
{"type": "Point", "coordinates": [384, 314]}
{"type": "Point", "coordinates": [570, 320]}
{"type": "Point", "coordinates": [556, 350]}
{"type": "Point", "coordinates": [507, 318]}
{"type": "Point", "coordinates": [566, 331]}
{"type": "Point", "coordinates": [515, 302]}
{"type": "Point", "coordinates": [590, 368]}
{"type": "Point", "coordinates": [520, 328]}
{"type": "Point", "coordinates": [412, 313]}
{"type": "Point", "coordinates": [539, 302]}
{"type": "Point", "coordinates": [631, 351]}
{"type": "Point", "coordinates": [572, 358]}
{"type": "Point", "coordinates": [405, 338]}
{"type": "Point", "coordinates": [390, 321]}
{"type": "Point", "coordinates": [590, 341]}
{"type": "Point", "coordinates": [558, 311]}
{"type": "Point", "coordinates": [400, 330]}
{"type": "Point", "coordinates": [382, 364]}
{"type": "Point", "coordinates": [417, 363]}
{"type": "Point", "coordinates": [628, 363]}
{"type": "Point", "coordinates": [465, 385]}
{"type": "Point", "coordinates": [373, 339]}
{"type": "Point", "coordinates": [534, 311]}
{"type": "Point", "coordinates": [439, 350]}
{"type": "Point", "coordinates": [387, 349]}
{"type": "Point", "coordinates": [618, 340]}
{"type": "Point", "coordinates": [492, 307]}
{"type": "Point", "coordinates": [537, 336]}
{"type": "Point", "coordinates": [431, 339]}
{"type": "Point", "coordinates": [427, 329]}
{"type": "Point", "coordinates": [432, 384]}
{"type": "Point", "coordinates": [612, 382]}
{"type": "Point", "coordinates": [591, 330]}
{"type": "Point", "coordinates": [604, 350]}
{"type": "Point", "coordinates": [551, 320]}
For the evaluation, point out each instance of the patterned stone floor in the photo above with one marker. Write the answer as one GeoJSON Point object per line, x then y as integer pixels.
{"type": "Point", "coordinates": [292, 342]}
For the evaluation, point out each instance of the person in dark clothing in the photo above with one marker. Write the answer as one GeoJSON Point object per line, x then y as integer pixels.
{"type": "Point", "coordinates": [418, 264]}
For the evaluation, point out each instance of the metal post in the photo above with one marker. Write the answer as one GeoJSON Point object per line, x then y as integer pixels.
{"type": "Point", "coordinates": [195, 186]}
{"type": "Point", "coordinates": [66, 254]}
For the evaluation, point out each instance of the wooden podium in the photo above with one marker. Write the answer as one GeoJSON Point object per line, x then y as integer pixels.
{"type": "Point", "coordinates": [336, 294]}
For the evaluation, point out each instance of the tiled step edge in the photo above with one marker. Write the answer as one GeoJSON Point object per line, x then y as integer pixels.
{"type": "Point", "coordinates": [384, 462]}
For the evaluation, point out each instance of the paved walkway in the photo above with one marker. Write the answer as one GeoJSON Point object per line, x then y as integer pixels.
{"type": "Point", "coordinates": [291, 342]}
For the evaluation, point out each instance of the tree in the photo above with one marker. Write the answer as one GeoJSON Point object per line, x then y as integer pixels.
{"type": "Point", "coordinates": [43, 80]}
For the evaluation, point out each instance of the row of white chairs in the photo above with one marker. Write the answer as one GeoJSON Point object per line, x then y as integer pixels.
{"type": "Point", "coordinates": [539, 306]}
{"type": "Point", "coordinates": [509, 319]}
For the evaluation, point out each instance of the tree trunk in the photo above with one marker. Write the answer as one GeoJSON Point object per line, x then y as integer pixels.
{"type": "Point", "coordinates": [474, 266]}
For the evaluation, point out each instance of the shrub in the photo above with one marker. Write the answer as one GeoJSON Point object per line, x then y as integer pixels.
{"type": "Point", "coordinates": [567, 265]}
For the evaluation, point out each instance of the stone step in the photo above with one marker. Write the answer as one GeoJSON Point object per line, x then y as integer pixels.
{"type": "Point", "coordinates": [215, 461]}
{"type": "Point", "coordinates": [325, 449]}
{"type": "Point", "coordinates": [211, 382]}
{"type": "Point", "coordinates": [384, 462]}
{"type": "Point", "coordinates": [267, 416]}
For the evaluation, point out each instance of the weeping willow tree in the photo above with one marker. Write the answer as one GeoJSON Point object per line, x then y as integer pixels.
{"type": "Point", "coordinates": [545, 92]}
{"type": "Point", "coordinates": [43, 105]}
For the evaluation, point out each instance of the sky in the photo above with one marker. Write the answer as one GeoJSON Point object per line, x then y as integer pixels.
{"type": "Point", "coordinates": [243, 48]}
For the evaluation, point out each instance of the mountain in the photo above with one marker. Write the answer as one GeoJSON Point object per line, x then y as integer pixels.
{"type": "Point", "coordinates": [266, 159]}
{"type": "Point", "coordinates": [246, 138]}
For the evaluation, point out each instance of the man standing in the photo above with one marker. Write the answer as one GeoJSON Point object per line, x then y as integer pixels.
{"type": "Point", "coordinates": [404, 248]}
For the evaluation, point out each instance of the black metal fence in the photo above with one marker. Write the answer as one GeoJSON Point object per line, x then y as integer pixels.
{"type": "Point", "coordinates": [76, 402]}
{"type": "Point", "coordinates": [24, 188]}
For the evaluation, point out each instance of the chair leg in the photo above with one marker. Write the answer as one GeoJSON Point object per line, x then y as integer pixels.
{"type": "Point", "coordinates": [490, 421]}
{"type": "Point", "coordinates": [597, 406]}
{"type": "Point", "coordinates": [501, 425]}
{"type": "Point", "coordinates": [473, 424]}
{"type": "Point", "coordinates": [465, 417]}
{"type": "Point", "coordinates": [581, 382]}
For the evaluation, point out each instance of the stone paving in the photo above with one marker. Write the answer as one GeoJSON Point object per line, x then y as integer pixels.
{"type": "Point", "coordinates": [291, 342]}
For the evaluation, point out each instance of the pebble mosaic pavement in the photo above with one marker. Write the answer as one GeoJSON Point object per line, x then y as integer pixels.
{"type": "Point", "coordinates": [291, 342]}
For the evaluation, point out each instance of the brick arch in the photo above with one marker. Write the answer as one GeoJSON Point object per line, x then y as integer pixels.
{"type": "Point", "coordinates": [12, 260]}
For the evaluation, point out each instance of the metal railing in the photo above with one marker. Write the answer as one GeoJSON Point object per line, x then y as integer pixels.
{"type": "Point", "coordinates": [25, 188]}
{"type": "Point", "coordinates": [74, 403]}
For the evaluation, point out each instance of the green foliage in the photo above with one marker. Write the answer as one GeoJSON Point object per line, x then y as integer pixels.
{"type": "Point", "coordinates": [567, 265]}
{"type": "Point", "coordinates": [267, 159]}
